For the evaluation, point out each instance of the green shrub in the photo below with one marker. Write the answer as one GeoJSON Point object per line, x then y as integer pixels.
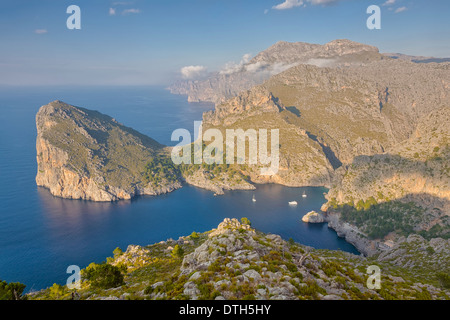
{"type": "Point", "coordinates": [11, 291]}
{"type": "Point", "coordinates": [246, 221]}
{"type": "Point", "coordinates": [194, 235]}
{"type": "Point", "coordinates": [104, 276]}
{"type": "Point", "coordinates": [117, 252]}
{"type": "Point", "coordinates": [444, 279]}
{"type": "Point", "coordinates": [177, 252]}
{"type": "Point", "coordinates": [57, 291]}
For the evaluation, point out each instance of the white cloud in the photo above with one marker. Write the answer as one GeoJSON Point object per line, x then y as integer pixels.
{"type": "Point", "coordinates": [193, 72]}
{"type": "Point", "coordinates": [280, 67]}
{"type": "Point", "coordinates": [288, 4]}
{"type": "Point", "coordinates": [132, 10]}
{"type": "Point", "coordinates": [40, 31]}
{"type": "Point", "coordinates": [256, 67]}
{"type": "Point", "coordinates": [321, 63]}
{"type": "Point", "coordinates": [112, 11]}
{"type": "Point", "coordinates": [264, 68]}
{"type": "Point", "coordinates": [389, 3]}
{"type": "Point", "coordinates": [233, 67]}
{"type": "Point", "coordinates": [323, 2]}
{"type": "Point", "coordinates": [401, 9]}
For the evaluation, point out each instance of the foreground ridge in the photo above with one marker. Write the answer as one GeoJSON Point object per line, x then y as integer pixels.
{"type": "Point", "coordinates": [235, 261]}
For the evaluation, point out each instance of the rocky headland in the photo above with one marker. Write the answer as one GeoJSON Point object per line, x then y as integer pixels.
{"type": "Point", "coordinates": [83, 154]}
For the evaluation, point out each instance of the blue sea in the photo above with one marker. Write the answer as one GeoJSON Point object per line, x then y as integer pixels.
{"type": "Point", "coordinates": [41, 235]}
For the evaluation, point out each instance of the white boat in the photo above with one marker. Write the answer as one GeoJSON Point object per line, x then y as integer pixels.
{"type": "Point", "coordinates": [304, 194]}
{"type": "Point", "coordinates": [292, 203]}
{"type": "Point", "coordinates": [254, 199]}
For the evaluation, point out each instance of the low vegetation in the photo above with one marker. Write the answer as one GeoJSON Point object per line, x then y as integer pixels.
{"type": "Point", "coordinates": [246, 264]}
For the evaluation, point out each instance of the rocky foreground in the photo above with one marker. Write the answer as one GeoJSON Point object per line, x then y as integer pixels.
{"type": "Point", "coordinates": [235, 261]}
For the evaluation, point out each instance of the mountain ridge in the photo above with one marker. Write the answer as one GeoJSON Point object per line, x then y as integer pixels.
{"type": "Point", "coordinates": [219, 87]}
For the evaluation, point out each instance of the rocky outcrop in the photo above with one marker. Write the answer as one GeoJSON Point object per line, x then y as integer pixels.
{"type": "Point", "coordinates": [248, 104]}
{"type": "Point", "coordinates": [235, 261]}
{"type": "Point", "coordinates": [313, 217]}
{"type": "Point", "coordinates": [83, 154]}
{"type": "Point", "coordinates": [217, 183]}
{"type": "Point", "coordinates": [228, 226]}
{"type": "Point", "coordinates": [424, 258]}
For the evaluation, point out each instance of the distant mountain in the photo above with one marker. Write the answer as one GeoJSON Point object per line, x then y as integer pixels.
{"type": "Point", "coordinates": [416, 59]}
{"type": "Point", "coordinates": [283, 55]}
{"type": "Point", "coordinates": [225, 84]}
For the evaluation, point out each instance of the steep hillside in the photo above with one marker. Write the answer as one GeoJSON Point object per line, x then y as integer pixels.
{"type": "Point", "coordinates": [329, 116]}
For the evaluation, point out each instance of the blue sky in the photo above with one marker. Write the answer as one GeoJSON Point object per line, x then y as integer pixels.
{"type": "Point", "coordinates": [145, 42]}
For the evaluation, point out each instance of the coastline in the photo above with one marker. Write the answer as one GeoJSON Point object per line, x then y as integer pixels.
{"type": "Point", "coordinates": [352, 235]}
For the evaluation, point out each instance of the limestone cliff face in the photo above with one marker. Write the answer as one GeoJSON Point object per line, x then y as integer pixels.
{"type": "Point", "coordinates": [247, 104]}
{"type": "Point", "coordinates": [415, 166]}
{"type": "Point", "coordinates": [54, 174]}
{"type": "Point", "coordinates": [83, 154]}
{"type": "Point", "coordinates": [330, 118]}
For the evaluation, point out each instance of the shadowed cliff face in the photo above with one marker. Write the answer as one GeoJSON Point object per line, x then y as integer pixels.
{"type": "Point", "coordinates": [369, 224]}
{"type": "Point", "coordinates": [416, 165]}
{"type": "Point", "coordinates": [83, 154]}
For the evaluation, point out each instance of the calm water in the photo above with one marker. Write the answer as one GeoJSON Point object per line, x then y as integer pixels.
{"type": "Point", "coordinates": [40, 235]}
